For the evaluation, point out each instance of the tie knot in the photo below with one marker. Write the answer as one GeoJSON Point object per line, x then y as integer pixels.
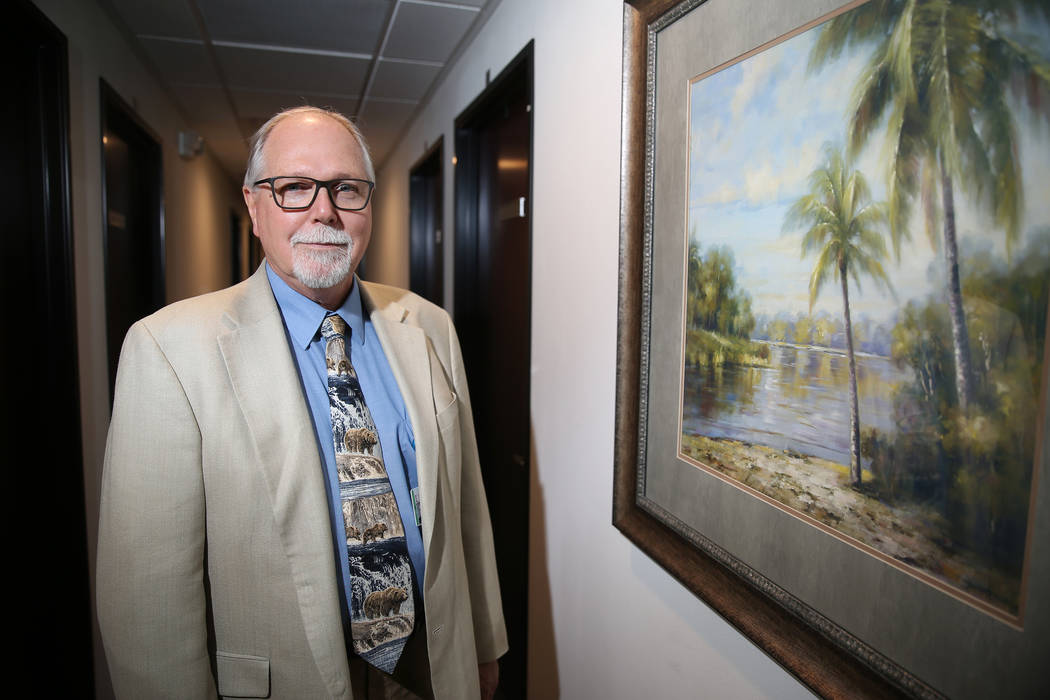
{"type": "Point", "coordinates": [334, 327]}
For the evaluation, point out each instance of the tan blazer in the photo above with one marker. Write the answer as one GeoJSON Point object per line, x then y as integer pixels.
{"type": "Point", "coordinates": [216, 572]}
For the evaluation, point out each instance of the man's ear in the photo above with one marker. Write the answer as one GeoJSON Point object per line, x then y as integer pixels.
{"type": "Point", "coordinates": [249, 200]}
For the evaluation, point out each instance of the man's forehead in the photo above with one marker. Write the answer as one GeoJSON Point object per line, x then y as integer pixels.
{"type": "Point", "coordinates": [308, 120]}
{"type": "Point", "coordinates": [296, 134]}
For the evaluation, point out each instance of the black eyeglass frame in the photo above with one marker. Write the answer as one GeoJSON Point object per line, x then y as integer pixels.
{"type": "Point", "coordinates": [318, 184]}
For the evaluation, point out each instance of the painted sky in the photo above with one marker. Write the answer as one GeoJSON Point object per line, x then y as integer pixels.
{"type": "Point", "coordinates": [757, 130]}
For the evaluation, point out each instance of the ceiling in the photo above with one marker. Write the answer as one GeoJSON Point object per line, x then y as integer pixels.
{"type": "Point", "coordinates": [230, 64]}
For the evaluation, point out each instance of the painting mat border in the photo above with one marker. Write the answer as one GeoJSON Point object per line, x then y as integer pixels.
{"type": "Point", "coordinates": [812, 645]}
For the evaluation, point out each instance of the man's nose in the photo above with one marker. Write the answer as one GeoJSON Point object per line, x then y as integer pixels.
{"type": "Point", "coordinates": [323, 208]}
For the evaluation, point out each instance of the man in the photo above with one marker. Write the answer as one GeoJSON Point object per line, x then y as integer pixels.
{"type": "Point", "coordinates": [231, 559]}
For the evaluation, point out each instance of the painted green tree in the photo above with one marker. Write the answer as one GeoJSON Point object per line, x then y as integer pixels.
{"type": "Point", "coordinates": [937, 83]}
{"type": "Point", "coordinates": [714, 303]}
{"type": "Point", "coordinates": [844, 228]}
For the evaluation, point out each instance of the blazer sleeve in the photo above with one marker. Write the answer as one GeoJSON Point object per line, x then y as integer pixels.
{"type": "Point", "coordinates": [151, 542]}
{"type": "Point", "coordinates": [490, 632]}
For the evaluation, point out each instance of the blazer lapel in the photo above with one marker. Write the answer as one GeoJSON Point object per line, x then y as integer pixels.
{"type": "Point", "coordinates": [267, 385]}
{"type": "Point", "coordinates": [405, 347]}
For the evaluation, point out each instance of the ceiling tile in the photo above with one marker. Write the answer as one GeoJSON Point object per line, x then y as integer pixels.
{"type": "Point", "coordinates": [157, 18]}
{"type": "Point", "coordinates": [181, 61]}
{"type": "Point", "coordinates": [291, 72]}
{"type": "Point", "coordinates": [402, 81]}
{"type": "Point", "coordinates": [427, 32]}
{"type": "Point", "coordinates": [378, 113]}
{"type": "Point", "coordinates": [353, 26]}
{"type": "Point", "coordinates": [275, 55]}
{"type": "Point", "coordinates": [263, 105]}
{"type": "Point", "coordinates": [205, 104]}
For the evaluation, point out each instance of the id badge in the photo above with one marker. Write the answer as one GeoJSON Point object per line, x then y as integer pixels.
{"type": "Point", "coordinates": [414, 493]}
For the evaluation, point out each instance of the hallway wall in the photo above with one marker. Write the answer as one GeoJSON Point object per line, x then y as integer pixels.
{"type": "Point", "coordinates": [198, 198]}
{"type": "Point", "coordinates": [605, 621]}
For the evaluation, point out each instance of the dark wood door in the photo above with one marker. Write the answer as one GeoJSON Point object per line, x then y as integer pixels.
{"type": "Point", "coordinates": [132, 221]}
{"type": "Point", "coordinates": [47, 562]}
{"type": "Point", "coordinates": [492, 308]}
{"type": "Point", "coordinates": [426, 273]}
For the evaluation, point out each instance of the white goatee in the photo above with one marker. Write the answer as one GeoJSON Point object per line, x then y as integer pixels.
{"type": "Point", "coordinates": [321, 268]}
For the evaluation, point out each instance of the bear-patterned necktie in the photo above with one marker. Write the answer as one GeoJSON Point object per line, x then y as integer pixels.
{"type": "Point", "coordinates": [382, 606]}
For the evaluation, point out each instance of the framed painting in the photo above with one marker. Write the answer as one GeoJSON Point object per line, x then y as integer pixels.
{"type": "Point", "coordinates": [832, 364]}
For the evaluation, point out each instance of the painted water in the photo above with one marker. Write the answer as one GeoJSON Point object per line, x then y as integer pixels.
{"type": "Point", "coordinates": [799, 402]}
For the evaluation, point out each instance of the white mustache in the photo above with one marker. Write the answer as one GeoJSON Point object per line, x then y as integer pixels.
{"type": "Point", "coordinates": [321, 234]}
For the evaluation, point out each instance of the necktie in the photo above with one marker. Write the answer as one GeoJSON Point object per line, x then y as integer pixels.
{"type": "Point", "coordinates": [382, 606]}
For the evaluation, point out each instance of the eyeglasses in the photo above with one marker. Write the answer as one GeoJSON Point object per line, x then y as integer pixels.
{"type": "Point", "coordinates": [299, 193]}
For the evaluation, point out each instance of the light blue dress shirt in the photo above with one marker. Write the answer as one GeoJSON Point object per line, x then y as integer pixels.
{"type": "Point", "coordinates": [302, 324]}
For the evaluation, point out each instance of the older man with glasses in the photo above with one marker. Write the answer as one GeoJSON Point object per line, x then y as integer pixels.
{"type": "Point", "coordinates": [292, 504]}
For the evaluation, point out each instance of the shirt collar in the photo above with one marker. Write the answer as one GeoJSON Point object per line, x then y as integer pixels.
{"type": "Point", "coordinates": [303, 316]}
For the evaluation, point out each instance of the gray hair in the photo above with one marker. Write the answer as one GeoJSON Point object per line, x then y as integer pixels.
{"type": "Point", "coordinates": [258, 140]}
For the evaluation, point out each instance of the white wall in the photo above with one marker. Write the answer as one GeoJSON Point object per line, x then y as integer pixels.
{"type": "Point", "coordinates": [605, 621]}
{"type": "Point", "coordinates": [198, 197]}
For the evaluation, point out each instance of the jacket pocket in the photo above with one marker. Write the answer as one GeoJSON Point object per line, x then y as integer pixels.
{"type": "Point", "coordinates": [449, 415]}
{"type": "Point", "coordinates": [242, 676]}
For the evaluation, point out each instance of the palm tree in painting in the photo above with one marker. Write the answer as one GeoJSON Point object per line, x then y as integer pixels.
{"type": "Point", "coordinates": [937, 82]}
{"type": "Point", "coordinates": [844, 228]}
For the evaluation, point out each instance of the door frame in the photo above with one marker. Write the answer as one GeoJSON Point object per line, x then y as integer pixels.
{"type": "Point", "coordinates": [467, 227]}
{"type": "Point", "coordinates": [51, 546]}
{"type": "Point", "coordinates": [427, 280]}
{"type": "Point", "coordinates": [116, 113]}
